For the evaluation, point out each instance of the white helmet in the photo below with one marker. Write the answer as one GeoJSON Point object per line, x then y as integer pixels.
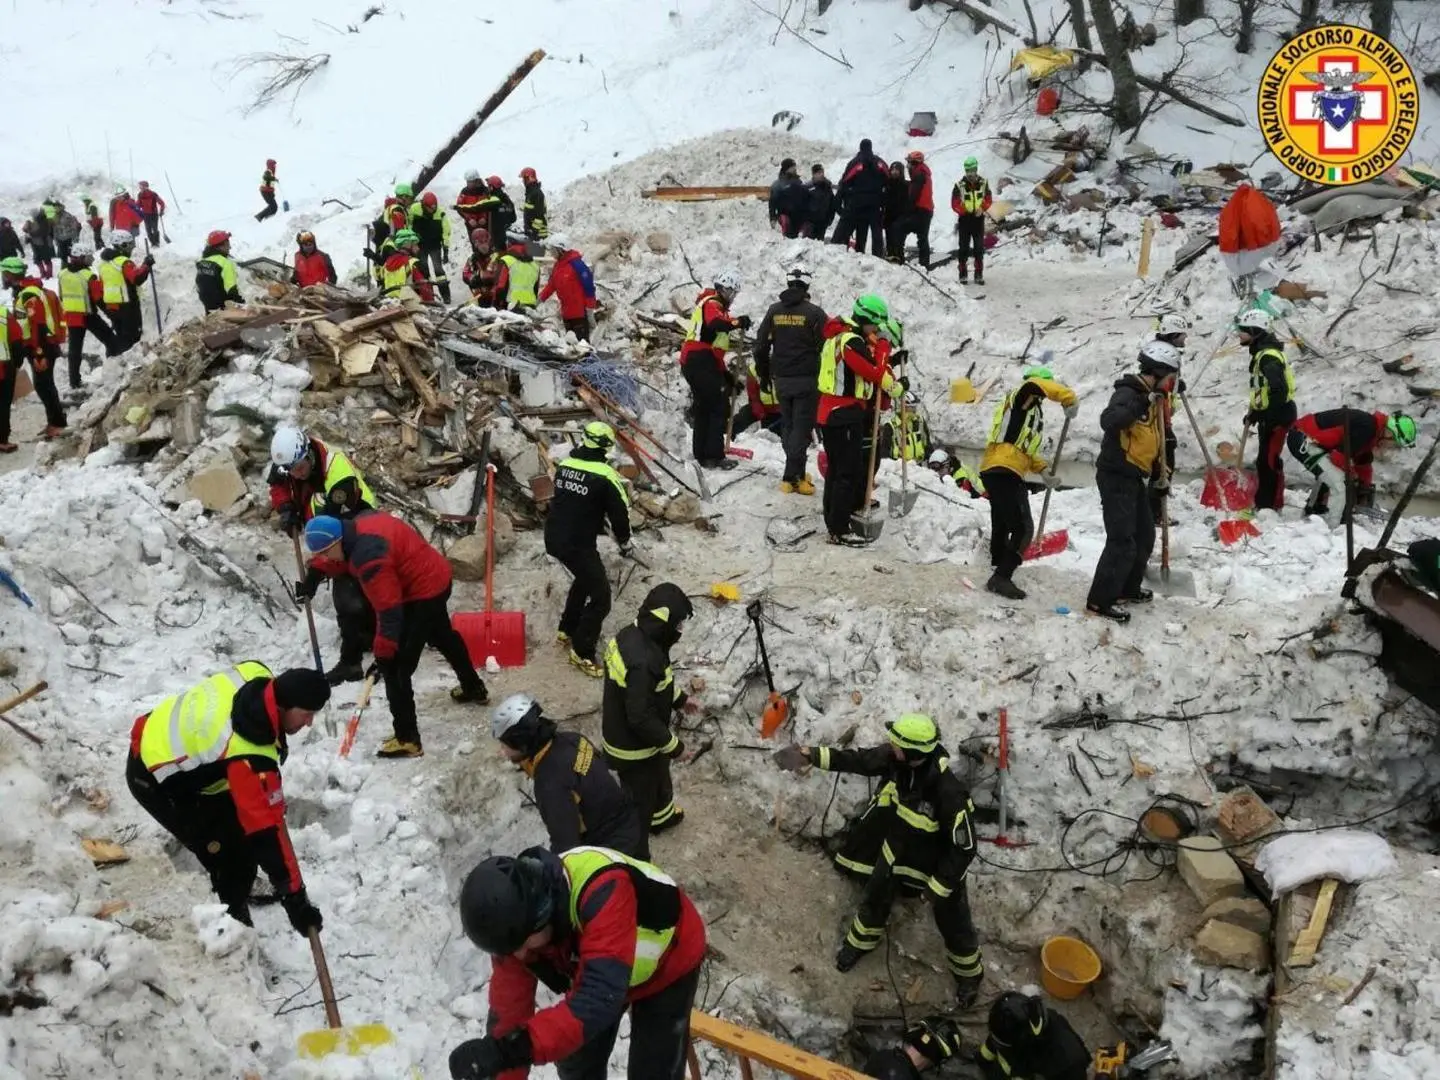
{"type": "Point", "coordinates": [912, 399]}
{"type": "Point", "coordinates": [1161, 354]}
{"type": "Point", "coordinates": [938, 457]}
{"type": "Point", "coordinates": [82, 247]}
{"type": "Point", "coordinates": [728, 280]}
{"type": "Point", "coordinates": [471, 175]}
{"type": "Point", "coordinates": [118, 238]}
{"type": "Point", "coordinates": [557, 240]}
{"type": "Point", "coordinates": [1171, 323]}
{"type": "Point", "coordinates": [288, 445]}
{"type": "Point", "coordinates": [514, 710]}
{"type": "Point", "coordinates": [1255, 319]}
{"type": "Point", "coordinates": [799, 272]}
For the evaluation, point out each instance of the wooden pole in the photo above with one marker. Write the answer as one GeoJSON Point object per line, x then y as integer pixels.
{"type": "Point", "coordinates": [20, 699]}
{"type": "Point", "coordinates": [1147, 236]}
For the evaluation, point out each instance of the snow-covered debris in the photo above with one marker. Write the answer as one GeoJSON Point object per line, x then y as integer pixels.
{"type": "Point", "coordinates": [1344, 854]}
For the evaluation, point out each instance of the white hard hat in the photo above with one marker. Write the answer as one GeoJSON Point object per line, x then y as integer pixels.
{"type": "Point", "coordinates": [1160, 353]}
{"type": "Point", "coordinates": [1255, 319]}
{"type": "Point", "coordinates": [557, 240]}
{"type": "Point", "coordinates": [729, 280]}
{"type": "Point", "coordinates": [1171, 323]}
{"type": "Point", "coordinates": [118, 238]}
{"type": "Point", "coordinates": [82, 247]}
{"type": "Point", "coordinates": [288, 445]}
{"type": "Point", "coordinates": [938, 457]}
{"type": "Point", "coordinates": [513, 710]}
{"type": "Point", "coordinates": [471, 176]}
{"type": "Point", "coordinates": [798, 272]}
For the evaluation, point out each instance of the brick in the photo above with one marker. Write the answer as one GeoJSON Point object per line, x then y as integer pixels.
{"type": "Point", "coordinates": [218, 487]}
{"type": "Point", "coordinates": [1226, 945]}
{"type": "Point", "coordinates": [1243, 816]}
{"type": "Point", "coordinates": [1242, 911]}
{"type": "Point", "coordinates": [1210, 872]}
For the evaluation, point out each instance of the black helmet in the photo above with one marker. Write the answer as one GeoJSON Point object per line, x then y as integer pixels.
{"type": "Point", "coordinates": [503, 901]}
{"type": "Point", "coordinates": [936, 1038]}
{"type": "Point", "coordinates": [1015, 1016]}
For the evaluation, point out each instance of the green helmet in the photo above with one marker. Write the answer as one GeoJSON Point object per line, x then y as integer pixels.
{"type": "Point", "coordinates": [404, 189]}
{"type": "Point", "coordinates": [1401, 427]}
{"type": "Point", "coordinates": [406, 236]}
{"type": "Point", "coordinates": [914, 731]}
{"type": "Point", "coordinates": [870, 309]}
{"type": "Point", "coordinates": [16, 265]}
{"type": "Point", "coordinates": [1038, 372]}
{"type": "Point", "coordinates": [894, 332]}
{"type": "Point", "coordinates": [972, 162]}
{"type": "Point", "coordinates": [599, 435]}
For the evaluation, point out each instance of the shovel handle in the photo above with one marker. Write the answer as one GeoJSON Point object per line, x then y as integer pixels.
{"type": "Point", "coordinates": [352, 726]}
{"type": "Point", "coordinates": [1199, 438]}
{"type": "Point", "coordinates": [322, 973]}
{"type": "Point", "coordinates": [1054, 468]}
{"type": "Point", "coordinates": [309, 612]}
{"type": "Point", "coordinates": [874, 447]}
{"type": "Point", "coordinates": [489, 537]}
{"type": "Point", "coordinates": [20, 699]}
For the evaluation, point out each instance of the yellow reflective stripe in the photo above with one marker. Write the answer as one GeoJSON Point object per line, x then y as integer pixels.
{"type": "Point", "coordinates": [991, 1055]}
{"type": "Point", "coordinates": [824, 762]}
{"type": "Point", "coordinates": [629, 755]}
{"type": "Point", "coordinates": [916, 820]}
{"type": "Point", "coordinates": [910, 873]}
{"type": "Point", "coordinates": [851, 864]}
{"type": "Point", "coordinates": [697, 324]}
{"type": "Point", "coordinates": [765, 398]}
{"type": "Point", "coordinates": [339, 469]}
{"type": "Point", "coordinates": [664, 814]}
{"type": "Point", "coordinates": [189, 730]}
{"type": "Point", "coordinates": [582, 864]}
{"type": "Point", "coordinates": [397, 279]}
{"type": "Point", "coordinates": [599, 468]}
{"type": "Point", "coordinates": [615, 663]}
{"type": "Point", "coordinates": [965, 964]}
{"type": "Point", "coordinates": [524, 276]}
{"type": "Point", "coordinates": [939, 890]}
{"type": "Point", "coordinates": [44, 303]}
{"type": "Point", "coordinates": [75, 290]}
{"type": "Point", "coordinates": [4, 333]}
{"type": "Point", "coordinates": [1032, 428]}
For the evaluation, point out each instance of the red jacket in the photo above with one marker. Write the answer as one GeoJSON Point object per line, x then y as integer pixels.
{"type": "Point", "coordinates": [714, 320]}
{"type": "Point", "coordinates": [480, 272]}
{"type": "Point", "coordinates": [1327, 431]}
{"type": "Point", "coordinates": [596, 961]}
{"type": "Point", "coordinates": [313, 269]}
{"type": "Point", "coordinates": [564, 283]}
{"type": "Point", "coordinates": [396, 214]}
{"type": "Point", "coordinates": [863, 362]}
{"type": "Point", "coordinates": [758, 408]}
{"type": "Point", "coordinates": [125, 213]}
{"type": "Point", "coordinates": [150, 201]}
{"type": "Point", "coordinates": [396, 260]}
{"type": "Point", "coordinates": [922, 193]}
{"type": "Point", "coordinates": [35, 311]}
{"type": "Point", "coordinates": [394, 566]}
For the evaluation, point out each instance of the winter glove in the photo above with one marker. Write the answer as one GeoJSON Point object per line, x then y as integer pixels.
{"type": "Point", "coordinates": [376, 670]}
{"type": "Point", "coordinates": [791, 759]}
{"type": "Point", "coordinates": [744, 322]}
{"type": "Point", "coordinates": [1072, 411]}
{"type": "Point", "coordinates": [679, 750]}
{"type": "Point", "coordinates": [1160, 485]}
{"type": "Point", "coordinates": [445, 254]}
{"type": "Point", "coordinates": [888, 384]}
{"type": "Point", "coordinates": [1050, 480]}
{"type": "Point", "coordinates": [305, 589]}
{"type": "Point", "coordinates": [149, 260]}
{"type": "Point", "coordinates": [289, 520]}
{"type": "Point", "coordinates": [1252, 417]}
{"type": "Point", "coordinates": [304, 916]}
{"type": "Point", "coordinates": [480, 1059]}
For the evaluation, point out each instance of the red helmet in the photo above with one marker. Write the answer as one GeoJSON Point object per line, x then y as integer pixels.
{"type": "Point", "coordinates": [144, 183]}
{"type": "Point", "coordinates": [480, 237]}
{"type": "Point", "coordinates": [495, 181]}
{"type": "Point", "coordinates": [270, 163]}
{"type": "Point", "coordinates": [304, 236]}
{"type": "Point", "coordinates": [429, 201]}
{"type": "Point", "coordinates": [915, 155]}
{"type": "Point", "coordinates": [528, 174]}
{"type": "Point", "coordinates": [216, 238]}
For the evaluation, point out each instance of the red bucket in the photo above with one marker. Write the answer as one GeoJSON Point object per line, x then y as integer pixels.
{"type": "Point", "coordinates": [500, 634]}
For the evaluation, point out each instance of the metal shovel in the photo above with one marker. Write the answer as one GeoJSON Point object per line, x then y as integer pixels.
{"type": "Point", "coordinates": [903, 501]}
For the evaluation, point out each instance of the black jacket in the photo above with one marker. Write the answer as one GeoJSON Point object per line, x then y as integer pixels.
{"type": "Point", "coordinates": [775, 186]}
{"type": "Point", "coordinates": [537, 221]}
{"type": "Point", "coordinates": [1057, 1053]}
{"type": "Point", "coordinates": [502, 216]}
{"type": "Point", "coordinates": [10, 242]}
{"type": "Point", "coordinates": [897, 199]}
{"type": "Point", "coordinates": [1281, 410]}
{"type": "Point", "coordinates": [789, 201]}
{"type": "Point", "coordinates": [210, 285]}
{"type": "Point", "coordinates": [640, 688]}
{"type": "Point", "coordinates": [820, 205]}
{"type": "Point", "coordinates": [1130, 405]}
{"type": "Point", "coordinates": [584, 500]}
{"type": "Point", "coordinates": [788, 342]}
{"type": "Point", "coordinates": [579, 798]}
{"type": "Point", "coordinates": [891, 1065]}
{"type": "Point", "coordinates": [862, 184]}
{"type": "Point", "coordinates": [429, 229]}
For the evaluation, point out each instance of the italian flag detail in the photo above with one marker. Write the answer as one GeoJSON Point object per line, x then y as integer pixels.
{"type": "Point", "coordinates": [1337, 174]}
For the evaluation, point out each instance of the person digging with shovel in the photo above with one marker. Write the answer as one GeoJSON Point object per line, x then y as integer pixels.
{"type": "Point", "coordinates": [1130, 460]}
{"type": "Point", "coordinates": [1319, 441]}
{"type": "Point", "coordinates": [1272, 404]}
{"type": "Point", "coordinates": [1017, 433]}
{"type": "Point", "coordinates": [1171, 328]}
{"type": "Point", "coordinates": [915, 835]}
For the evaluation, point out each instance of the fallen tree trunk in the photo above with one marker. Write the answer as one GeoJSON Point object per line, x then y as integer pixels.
{"type": "Point", "coordinates": [460, 138]}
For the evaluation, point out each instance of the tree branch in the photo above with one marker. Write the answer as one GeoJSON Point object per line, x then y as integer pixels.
{"type": "Point", "coordinates": [796, 33]}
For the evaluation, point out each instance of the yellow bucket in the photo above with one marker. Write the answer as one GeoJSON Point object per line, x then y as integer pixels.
{"type": "Point", "coordinates": [1067, 967]}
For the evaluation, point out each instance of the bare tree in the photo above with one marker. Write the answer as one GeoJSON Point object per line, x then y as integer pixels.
{"type": "Point", "coordinates": [1187, 11]}
{"type": "Point", "coordinates": [1309, 15]}
{"type": "Point", "coordinates": [1382, 13]}
{"type": "Point", "coordinates": [1245, 40]}
{"type": "Point", "coordinates": [1081, 22]}
{"type": "Point", "coordinates": [1126, 102]}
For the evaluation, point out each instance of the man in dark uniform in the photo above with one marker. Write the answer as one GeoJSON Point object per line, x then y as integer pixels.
{"type": "Point", "coordinates": [927, 1043]}
{"type": "Point", "coordinates": [787, 357]}
{"type": "Point", "coordinates": [588, 492]}
{"type": "Point", "coordinates": [1028, 1041]}
{"type": "Point", "coordinates": [579, 798]}
{"type": "Point", "coordinates": [640, 694]}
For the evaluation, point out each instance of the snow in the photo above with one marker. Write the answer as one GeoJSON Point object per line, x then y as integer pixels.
{"type": "Point", "coordinates": [1345, 854]}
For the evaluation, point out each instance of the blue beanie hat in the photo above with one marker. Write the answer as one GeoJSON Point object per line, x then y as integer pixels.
{"type": "Point", "coordinates": [320, 533]}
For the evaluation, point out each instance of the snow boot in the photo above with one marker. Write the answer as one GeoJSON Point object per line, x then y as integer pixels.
{"type": "Point", "coordinates": [394, 748]}
{"type": "Point", "coordinates": [8, 448]}
{"type": "Point", "coordinates": [669, 823]}
{"type": "Point", "coordinates": [587, 665]}
{"type": "Point", "coordinates": [848, 957]}
{"type": "Point", "coordinates": [343, 672]}
{"type": "Point", "coordinates": [967, 989]}
{"type": "Point", "coordinates": [722, 463]}
{"type": "Point", "coordinates": [1109, 611]}
{"type": "Point", "coordinates": [477, 694]}
{"type": "Point", "coordinates": [1003, 586]}
{"type": "Point", "coordinates": [562, 638]}
{"type": "Point", "coordinates": [979, 276]}
{"type": "Point", "coordinates": [1140, 596]}
{"type": "Point", "coordinates": [805, 486]}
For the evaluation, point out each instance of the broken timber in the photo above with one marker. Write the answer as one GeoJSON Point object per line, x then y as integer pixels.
{"type": "Point", "coordinates": [756, 1046]}
{"type": "Point", "coordinates": [705, 194]}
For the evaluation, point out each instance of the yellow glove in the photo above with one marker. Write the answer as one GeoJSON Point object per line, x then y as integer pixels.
{"type": "Point", "coordinates": [888, 384]}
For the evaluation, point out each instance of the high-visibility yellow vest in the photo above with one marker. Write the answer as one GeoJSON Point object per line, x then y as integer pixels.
{"type": "Point", "coordinates": [339, 468]}
{"type": "Point", "coordinates": [229, 276]}
{"type": "Point", "coordinates": [834, 373]}
{"type": "Point", "coordinates": [1259, 387]}
{"type": "Point", "coordinates": [75, 290]}
{"type": "Point", "coordinates": [524, 277]}
{"type": "Point", "coordinates": [112, 277]}
{"type": "Point", "coordinates": [913, 444]}
{"type": "Point", "coordinates": [1032, 428]}
{"type": "Point", "coordinates": [52, 323]}
{"type": "Point", "coordinates": [973, 199]}
{"type": "Point", "coordinates": [394, 280]}
{"type": "Point", "coordinates": [767, 397]}
{"type": "Point", "coordinates": [697, 324]}
{"type": "Point", "coordinates": [190, 730]}
{"type": "Point", "coordinates": [657, 903]}
{"type": "Point", "coordinates": [4, 334]}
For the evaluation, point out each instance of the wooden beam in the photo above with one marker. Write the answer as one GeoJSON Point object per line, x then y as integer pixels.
{"type": "Point", "coordinates": [705, 194]}
{"type": "Point", "coordinates": [756, 1046]}
{"type": "Point", "coordinates": [1307, 942]}
{"type": "Point", "coordinates": [371, 319]}
{"type": "Point", "coordinates": [400, 353]}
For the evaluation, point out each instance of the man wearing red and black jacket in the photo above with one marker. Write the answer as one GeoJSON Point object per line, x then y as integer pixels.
{"type": "Point", "coordinates": [564, 284]}
{"type": "Point", "coordinates": [206, 765]}
{"type": "Point", "coordinates": [407, 583]}
{"type": "Point", "coordinates": [34, 329]}
{"type": "Point", "coordinates": [610, 933]}
{"type": "Point", "coordinates": [702, 360]}
{"type": "Point", "coordinates": [152, 209]}
{"type": "Point", "coordinates": [922, 207]}
{"type": "Point", "coordinates": [312, 266]}
{"type": "Point", "coordinates": [1319, 441]}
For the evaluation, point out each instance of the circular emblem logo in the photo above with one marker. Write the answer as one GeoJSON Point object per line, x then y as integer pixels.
{"type": "Point", "coordinates": [1338, 105]}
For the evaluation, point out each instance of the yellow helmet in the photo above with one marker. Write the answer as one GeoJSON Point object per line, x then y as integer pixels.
{"type": "Point", "coordinates": [914, 731]}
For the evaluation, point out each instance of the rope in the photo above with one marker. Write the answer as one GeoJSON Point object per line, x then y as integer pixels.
{"type": "Point", "coordinates": [612, 380]}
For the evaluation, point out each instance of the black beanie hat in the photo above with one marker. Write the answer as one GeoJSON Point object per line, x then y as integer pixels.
{"type": "Point", "coordinates": [302, 688]}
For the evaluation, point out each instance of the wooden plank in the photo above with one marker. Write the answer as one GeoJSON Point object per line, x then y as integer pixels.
{"type": "Point", "coordinates": [359, 358]}
{"type": "Point", "coordinates": [406, 331]}
{"type": "Point", "coordinates": [373, 319]}
{"type": "Point", "coordinates": [757, 1046]}
{"type": "Point", "coordinates": [1307, 942]}
{"type": "Point", "coordinates": [411, 370]}
{"type": "Point", "coordinates": [222, 339]}
{"type": "Point", "coordinates": [705, 194]}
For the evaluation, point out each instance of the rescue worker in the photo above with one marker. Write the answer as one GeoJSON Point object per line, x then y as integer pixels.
{"type": "Point", "coordinates": [401, 274]}
{"type": "Point", "coordinates": [39, 234]}
{"type": "Point", "coordinates": [820, 203]}
{"type": "Point", "coordinates": [268, 180]}
{"type": "Point", "coordinates": [702, 362]}
{"type": "Point", "coordinates": [32, 331]}
{"type": "Point", "coordinates": [789, 201]}
{"type": "Point", "coordinates": [1130, 461]}
{"type": "Point", "coordinates": [10, 243]}
{"type": "Point", "coordinates": [67, 230]}
{"type": "Point", "coordinates": [853, 363]}
{"type": "Point", "coordinates": [949, 467]}
{"type": "Point", "coordinates": [588, 493]}
{"type": "Point", "coordinates": [610, 933]}
{"type": "Point", "coordinates": [1017, 436]}
{"type": "Point", "coordinates": [916, 835]}
{"type": "Point", "coordinates": [120, 281]}
{"type": "Point", "coordinates": [407, 583]}
{"type": "Point", "coordinates": [787, 359]}
{"type": "Point", "coordinates": [897, 209]}
{"type": "Point", "coordinates": [922, 207]}
{"type": "Point", "coordinates": [312, 266]}
{"type": "Point", "coordinates": [566, 285]}
{"type": "Point", "coordinates": [1272, 404]}
{"type": "Point", "coordinates": [125, 212]}
{"type": "Point", "coordinates": [471, 204]}
{"type": "Point", "coordinates": [80, 296]}
{"type": "Point", "coordinates": [431, 225]}
{"type": "Point", "coordinates": [307, 478]}
{"type": "Point", "coordinates": [970, 199]}
{"type": "Point", "coordinates": [761, 406]}
{"type": "Point", "coordinates": [206, 764]}
{"type": "Point", "coordinates": [1173, 329]}
{"type": "Point", "coordinates": [640, 693]}
{"type": "Point", "coordinates": [1319, 441]}
{"type": "Point", "coordinates": [578, 797]}
{"type": "Point", "coordinates": [782, 176]}
{"type": "Point", "coordinates": [926, 1044]}
{"type": "Point", "coordinates": [499, 206]}
{"type": "Point", "coordinates": [1028, 1041]}
{"type": "Point", "coordinates": [152, 209]}
{"type": "Point", "coordinates": [913, 444]}
{"type": "Point", "coordinates": [217, 279]}
{"type": "Point", "coordinates": [94, 220]}
{"type": "Point", "coordinates": [481, 269]}
{"type": "Point", "coordinates": [518, 277]}
{"type": "Point", "coordinates": [535, 219]}
{"type": "Point", "coordinates": [862, 199]}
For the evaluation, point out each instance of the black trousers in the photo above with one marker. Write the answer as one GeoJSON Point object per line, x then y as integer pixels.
{"type": "Point", "coordinates": [42, 375]}
{"type": "Point", "coordinates": [9, 372]}
{"type": "Point", "coordinates": [95, 325]}
{"type": "Point", "coordinates": [858, 223]}
{"type": "Point", "coordinates": [1129, 536]}
{"type": "Point", "coordinates": [1269, 465]}
{"type": "Point", "coordinates": [845, 434]}
{"type": "Point", "coordinates": [710, 399]}
{"type": "Point", "coordinates": [432, 261]}
{"type": "Point", "coordinates": [1310, 455]}
{"type": "Point", "coordinates": [1157, 499]}
{"type": "Point", "coordinates": [972, 242]}
{"type": "Point", "coordinates": [427, 622]}
{"type": "Point", "coordinates": [152, 228]}
{"type": "Point", "coordinates": [355, 617]}
{"type": "Point", "coordinates": [744, 419]}
{"type": "Point", "coordinates": [1011, 526]}
{"type": "Point", "coordinates": [653, 793]}
{"type": "Point", "coordinates": [127, 326]}
{"type": "Point", "coordinates": [271, 206]}
{"type": "Point", "coordinates": [208, 827]}
{"type": "Point", "coordinates": [588, 601]}
{"type": "Point", "coordinates": [659, 1038]}
{"type": "Point", "coordinates": [797, 420]}
{"type": "Point", "coordinates": [579, 327]}
{"type": "Point", "coordinates": [952, 919]}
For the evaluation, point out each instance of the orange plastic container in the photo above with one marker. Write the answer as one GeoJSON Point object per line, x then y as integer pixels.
{"type": "Point", "coordinates": [1067, 967]}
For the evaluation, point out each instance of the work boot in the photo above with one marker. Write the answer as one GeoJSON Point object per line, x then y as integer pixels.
{"type": "Point", "coordinates": [562, 638]}
{"type": "Point", "coordinates": [54, 431]}
{"type": "Point", "coordinates": [8, 448]}
{"type": "Point", "coordinates": [1109, 611]}
{"type": "Point", "coordinates": [395, 748]}
{"type": "Point", "coordinates": [722, 463]}
{"type": "Point", "coordinates": [787, 488]}
{"type": "Point", "coordinates": [1003, 586]}
{"type": "Point", "coordinates": [587, 665]}
{"type": "Point", "coordinates": [967, 989]}
{"type": "Point", "coordinates": [477, 693]}
{"type": "Point", "coordinates": [343, 672]}
{"type": "Point", "coordinates": [848, 957]}
{"type": "Point", "coordinates": [805, 486]}
{"type": "Point", "coordinates": [669, 823]}
{"type": "Point", "coordinates": [1139, 596]}
{"type": "Point", "coordinates": [979, 273]}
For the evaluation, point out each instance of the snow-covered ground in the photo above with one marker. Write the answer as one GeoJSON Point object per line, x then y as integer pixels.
{"type": "Point", "coordinates": [634, 92]}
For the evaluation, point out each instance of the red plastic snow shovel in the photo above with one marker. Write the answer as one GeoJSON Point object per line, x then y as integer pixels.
{"type": "Point", "coordinates": [1057, 541]}
{"type": "Point", "coordinates": [352, 726]}
{"type": "Point", "coordinates": [500, 634]}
